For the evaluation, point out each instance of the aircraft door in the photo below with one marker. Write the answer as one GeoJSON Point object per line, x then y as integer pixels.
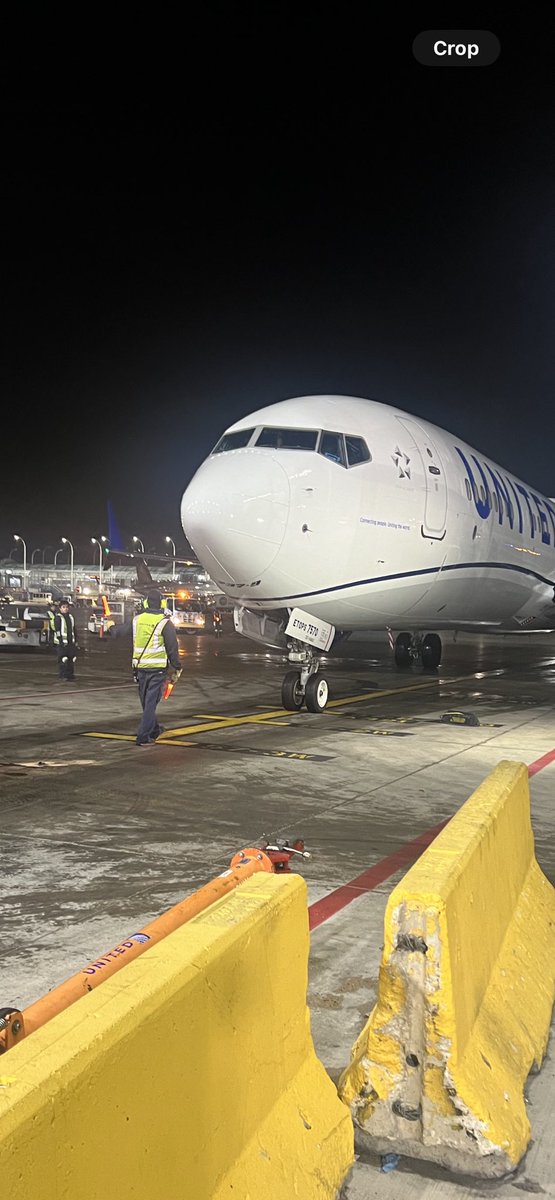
{"type": "Point", "coordinates": [435, 508]}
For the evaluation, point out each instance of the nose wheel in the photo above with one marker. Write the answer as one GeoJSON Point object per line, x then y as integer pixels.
{"type": "Point", "coordinates": [316, 693]}
{"type": "Point", "coordinates": [305, 685]}
{"type": "Point", "coordinates": [292, 691]}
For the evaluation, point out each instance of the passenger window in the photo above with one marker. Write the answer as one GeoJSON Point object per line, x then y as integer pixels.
{"type": "Point", "coordinates": [468, 492]}
{"type": "Point", "coordinates": [331, 446]}
{"type": "Point", "coordinates": [233, 441]}
{"type": "Point", "coordinates": [287, 439]}
{"type": "Point", "coordinates": [357, 450]}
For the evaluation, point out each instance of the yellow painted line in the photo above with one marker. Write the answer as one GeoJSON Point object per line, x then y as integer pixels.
{"type": "Point", "coordinates": [413, 687]}
{"type": "Point", "coordinates": [116, 737]}
{"type": "Point", "coordinates": [164, 741]}
{"type": "Point", "coordinates": [279, 724]}
{"type": "Point", "coordinates": [267, 718]}
{"type": "Point", "coordinates": [128, 737]}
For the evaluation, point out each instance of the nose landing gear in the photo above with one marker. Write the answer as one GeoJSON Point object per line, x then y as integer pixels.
{"type": "Point", "coordinates": [292, 691]}
{"type": "Point", "coordinates": [411, 649]}
{"type": "Point", "coordinates": [304, 686]}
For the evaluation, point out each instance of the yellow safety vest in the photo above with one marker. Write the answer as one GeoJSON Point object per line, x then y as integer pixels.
{"type": "Point", "coordinates": [149, 650]}
{"type": "Point", "coordinates": [62, 638]}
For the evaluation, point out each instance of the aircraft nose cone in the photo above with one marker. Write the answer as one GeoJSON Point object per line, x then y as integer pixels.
{"type": "Point", "coordinates": [234, 514]}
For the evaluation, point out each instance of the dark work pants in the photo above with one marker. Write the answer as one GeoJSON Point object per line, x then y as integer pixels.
{"type": "Point", "coordinates": [150, 692]}
{"type": "Point", "coordinates": [66, 660]}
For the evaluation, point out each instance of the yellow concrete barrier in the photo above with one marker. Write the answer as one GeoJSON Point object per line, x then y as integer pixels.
{"type": "Point", "coordinates": [466, 989]}
{"type": "Point", "coordinates": [189, 1075]}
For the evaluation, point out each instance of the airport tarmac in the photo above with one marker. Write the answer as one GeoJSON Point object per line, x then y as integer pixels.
{"type": "Point", "coordinates": [100, 836]}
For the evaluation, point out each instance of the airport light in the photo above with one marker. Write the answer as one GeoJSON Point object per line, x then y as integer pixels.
{"type": "Point", "coordinates": [37, 551]}
{"type": "Point", "coordinates": [98, 543]}
{"type": "Point", "coordinates": [139, 543]}
{"type": "Point", "coordinates": [56, 557]}
{"type": "Point", "coordinates": [169, 539]}
{"type": "Point", "coordinates": [24, 544]}
{"type": "Point", "coordinates": [67, 542]}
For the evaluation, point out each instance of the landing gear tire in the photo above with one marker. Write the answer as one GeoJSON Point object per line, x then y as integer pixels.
{"type": "Point", "coordinates": [292, 694]}
{"type": "Point", "coordinates": [317, 693]}
{"type": "Point", "coordinates": [431, 651]}
{"type": "Point", "coordinates": [403, 643]}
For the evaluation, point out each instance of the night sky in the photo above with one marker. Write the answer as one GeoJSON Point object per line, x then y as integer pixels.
{"type": "Point", "coordinates": [277, 205]}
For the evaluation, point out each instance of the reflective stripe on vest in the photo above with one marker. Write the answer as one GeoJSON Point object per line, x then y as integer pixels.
{"type": "Point", "coordinates": [63, 635]}
{"type": "Point", "coordinates": [149, 650]}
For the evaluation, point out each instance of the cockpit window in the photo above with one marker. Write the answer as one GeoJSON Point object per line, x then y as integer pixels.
{"type": "Point", "coordinates": [331, 446]}
{"type": "Point", "coordinates": [287, 439]}
{"type": "Point", "coordinates": [233, 441]}
{"type": "Point", "coordinates": [357, 450]}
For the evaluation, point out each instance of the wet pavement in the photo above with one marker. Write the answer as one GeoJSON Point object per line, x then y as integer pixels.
{"type": "Point", "coordinates": [99, 836]}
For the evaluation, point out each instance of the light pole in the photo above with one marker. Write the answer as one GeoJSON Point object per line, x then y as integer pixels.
{"type": "Point", "coordinates": [139, 543]}
{"type": "Point", "coordinates": [56, 557]}
{"type": "Point", "coordinates": [169, 539]}
{"type": "Point", "coordinates": [24, 544]}
{"type": "Point", "coordinates": [106, 545]}
{"type": "Point", "coordinates": [96, 542]}
{"type": "Point", "coordinates": [37, 551]}
{"type": "Point", "coordinates": [67, 542]}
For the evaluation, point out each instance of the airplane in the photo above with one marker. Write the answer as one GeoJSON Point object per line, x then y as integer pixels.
{"type": "Point", "coordinates": [186, 610]}
{"type": "Point", "coordinates": [370, 519]}
{"type": "Point", "coordinates": [144, 582]}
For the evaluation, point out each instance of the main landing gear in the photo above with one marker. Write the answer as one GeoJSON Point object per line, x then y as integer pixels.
{"type": "Point", "coordinates": [304, 685]}
{"type": "Point", "coordinates": [420, 649]}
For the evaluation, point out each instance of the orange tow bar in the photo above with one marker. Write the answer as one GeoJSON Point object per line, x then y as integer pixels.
{"type": "Point", "coordinates": [16, 1024]}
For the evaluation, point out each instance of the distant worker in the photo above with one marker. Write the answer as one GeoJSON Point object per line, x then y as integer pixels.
{"type": "Point", "coordinates": [217, 622]}
{"type": "Point", "coordinates": [51, 617]}
{"type": "Point", "coordinates": [65, 641]}
{"type": "Point", "coordinates": [155, 650]}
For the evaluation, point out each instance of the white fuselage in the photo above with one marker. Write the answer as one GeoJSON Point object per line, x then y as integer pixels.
{"type": "Point", "coordinates": [428, 534]}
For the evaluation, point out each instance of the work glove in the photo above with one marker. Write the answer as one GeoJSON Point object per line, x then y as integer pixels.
{"type": "Point", "coordinates": [175, 674]}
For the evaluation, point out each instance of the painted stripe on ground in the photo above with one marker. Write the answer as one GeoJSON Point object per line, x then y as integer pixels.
{"type": "Point", "coordinates": [370, 879]}
{"type": "Point", "coordinates": [269, 717]}
{"type": "Point", "coordinates": [540, 763]}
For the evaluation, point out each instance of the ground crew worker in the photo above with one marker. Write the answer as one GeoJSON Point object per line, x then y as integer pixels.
{"type": "Point", "coordinates": [51, 615]}
{"type": "Point", "coordinates": [65, 641]}
{"type": "Point", "coordinates": [155, 651]}
{"type": "Point", "coordinates": [217, 622]}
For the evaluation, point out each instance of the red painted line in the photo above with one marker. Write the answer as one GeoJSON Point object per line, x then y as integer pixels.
{"type": "Point", "coordinates": [405, 856]}
{"type": "Point", "coordinates": [540, 763]}
{"type": "Point", "coordinates": [323, 909]}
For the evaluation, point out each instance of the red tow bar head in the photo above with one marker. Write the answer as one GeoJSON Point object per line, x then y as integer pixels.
{"type": "Point", "coordinates": [281, 853]}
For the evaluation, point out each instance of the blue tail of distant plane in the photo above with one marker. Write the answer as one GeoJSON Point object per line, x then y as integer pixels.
{"type": "Point", "coordinates": [114, 536]}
